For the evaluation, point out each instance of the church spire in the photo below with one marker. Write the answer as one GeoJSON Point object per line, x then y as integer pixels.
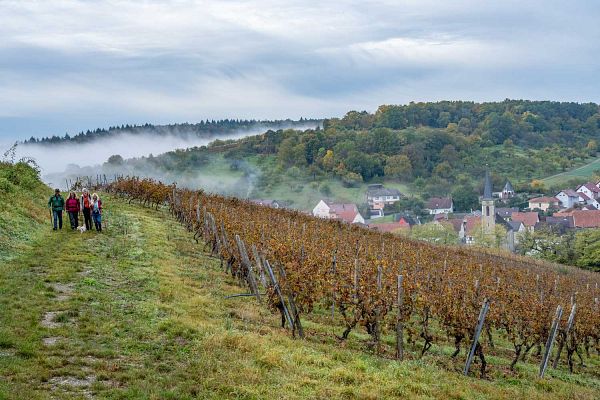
{"type": "Point", "coordinates": [487, 189]}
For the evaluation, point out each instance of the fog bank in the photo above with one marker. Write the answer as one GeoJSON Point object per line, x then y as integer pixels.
{"type": "Point", "coordinates": [56, 158]}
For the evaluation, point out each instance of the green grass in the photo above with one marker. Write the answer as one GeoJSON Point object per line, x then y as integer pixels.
{"type": "Point", "coordinates": [582, 173]}
{"type": "Point", "coordinates": [139, 312]}
{"type": "Point", "coordinates": [22, 207]}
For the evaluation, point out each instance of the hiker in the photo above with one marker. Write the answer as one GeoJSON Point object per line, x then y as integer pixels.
{"type": "Point", "coordinates": [97, 212]}
{"type": "Point", "coordinates": [85, 204]}
{"type": "Point", "coordinates": [72, 207]}
{"type": "Point", "coordinates": [56, 204]}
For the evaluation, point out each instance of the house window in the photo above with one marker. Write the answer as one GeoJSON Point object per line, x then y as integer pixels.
{"type": "Point", "coordinates": [487, 211]}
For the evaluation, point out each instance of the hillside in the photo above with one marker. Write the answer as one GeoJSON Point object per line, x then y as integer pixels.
{"type": "Point", "coordinates": [140, 312]}
{"type": "Point", "coordinates": [425, 149]}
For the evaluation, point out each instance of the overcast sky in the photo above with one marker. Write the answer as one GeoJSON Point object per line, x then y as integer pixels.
{"type": "Point", "coordinates": [67, 66]}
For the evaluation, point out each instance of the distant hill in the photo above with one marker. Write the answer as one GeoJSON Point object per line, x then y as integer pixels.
{"type": "Point", "coordinates": [201, 129]}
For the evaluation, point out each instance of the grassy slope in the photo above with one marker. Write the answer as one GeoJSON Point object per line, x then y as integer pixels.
{"type": "Point", "coordinates": [22, 208]}
{"type": "Point", "coordinates": [140, 313]}
{"type": "Point", "coordinates": [580, 172]}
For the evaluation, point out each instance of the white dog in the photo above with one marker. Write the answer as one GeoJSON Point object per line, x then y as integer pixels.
{"type": "Point", "coordinates": [81, 229]}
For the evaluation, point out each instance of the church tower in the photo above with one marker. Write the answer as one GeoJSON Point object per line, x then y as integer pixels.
{"type": "Point", "coordinates": [488, 210]}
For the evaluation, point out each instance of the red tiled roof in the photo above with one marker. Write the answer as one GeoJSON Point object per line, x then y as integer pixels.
{"type": "Point", "coordinates": [456, 223]}
{"type": "Point", "coordinates": [440, 217]}
{"type": "Point", "coordinates": [527, 218]}
{"type": "Point", "coordinates": [584, 196]}
{"type": "Point", "coordinates": [390, 226]}
{"type": "Point", "coordinates": [586, 219]}
{"type": "Point", "coordinates": [472, 223]}
{"type": "Point", "coordinates": [344, 211]}
{"type": "Point", "coordinates": [544, 200]}
{"type": "Point", "coordinates": [567, 212]}
{"type": "Point", "coordinates": [590, 186]}
{"type": "Point", "coordinates": [439, 202]}
{"type": "Point", "coordinates": [570, 193]}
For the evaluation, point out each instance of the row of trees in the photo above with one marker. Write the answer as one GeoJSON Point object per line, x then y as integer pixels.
{"type": "Point", "coordinates": [202, 128]}
{"type": "Point", "coordinates": [581, 248]}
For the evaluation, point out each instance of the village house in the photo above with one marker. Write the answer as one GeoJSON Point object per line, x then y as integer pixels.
{"type": "Point", "coordinates": [529, 219]}
{"type": "Point", "coordinates": [346, 212]}
{"type": "Point", "coordinates": [568, 198]}
{"type": "Point", "coordinates": [506, 213]}
{"type": "Point", "coordinates": [590, 190]}
{"type": "Point", "coordinates": [559, 225]}
{"type": "Point", "coordinates": [543, 203]}
{"type": "Point", "coordinates": [439, 205]}
{"type": "Point", "coordinates": [467, 232]}
{"type": "Point", "coordinates": [378, 196]}
{"type": "Point", "coordinates": [588, 202]}
{"type": "Point", "coordinates": [517, 227]}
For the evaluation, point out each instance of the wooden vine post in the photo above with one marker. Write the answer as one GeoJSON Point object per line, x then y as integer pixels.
{"type": "Point", "coordinates": [280, 295]}
{"type": "Point", "coordinates": [482, 314]}
{"type": "Point", "coordinates": [550, 341]}
{"type": "Point", "coordinates": [377, 327]}
{"type": "Point", "coordinates": [294, 310]}
{"type": "Point", "coordinates": [565, 335]}
{"type": "Point", "coordinates": [247, 266]}
{"type": "Point", "coordinates": [333, 285]}
{"type": "Point", "coordinates": [259, 266]}
{"type": "Point", "coordinates": [399, 323]}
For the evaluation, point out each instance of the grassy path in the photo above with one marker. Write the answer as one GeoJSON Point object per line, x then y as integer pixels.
{"type": "Point", "coordinates": [139, 313]}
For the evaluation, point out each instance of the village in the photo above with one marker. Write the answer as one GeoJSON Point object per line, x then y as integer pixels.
{"type": "Point", "coordinates": [494, 225]}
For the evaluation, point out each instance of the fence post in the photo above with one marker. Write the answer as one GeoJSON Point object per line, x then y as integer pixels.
{"type": "Point", "coordinates": [484, 310]}
{"type": "Point", "coordinates": [550, 342]}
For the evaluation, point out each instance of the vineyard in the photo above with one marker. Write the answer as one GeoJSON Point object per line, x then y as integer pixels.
{"type": "Point", "coordinates": [421, 293]}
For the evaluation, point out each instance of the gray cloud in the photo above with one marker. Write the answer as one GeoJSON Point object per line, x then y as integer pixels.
{"type": "Point", "coordinates": [74, 65]}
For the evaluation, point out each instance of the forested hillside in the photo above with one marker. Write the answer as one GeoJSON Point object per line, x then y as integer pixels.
{"type": "Point", "coordinates": [437, 148]}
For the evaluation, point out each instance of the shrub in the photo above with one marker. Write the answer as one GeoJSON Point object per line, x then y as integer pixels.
{"type": "Point", "coordinates": [325, 189]}
{"type": "Point", "coordinates": [6, 186]}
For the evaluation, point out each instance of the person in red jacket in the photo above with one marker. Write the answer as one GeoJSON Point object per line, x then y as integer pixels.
{"type": "Point", "coordinates": [85, 205]}
{"type": "Point", "coordinates": [72, 206]}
